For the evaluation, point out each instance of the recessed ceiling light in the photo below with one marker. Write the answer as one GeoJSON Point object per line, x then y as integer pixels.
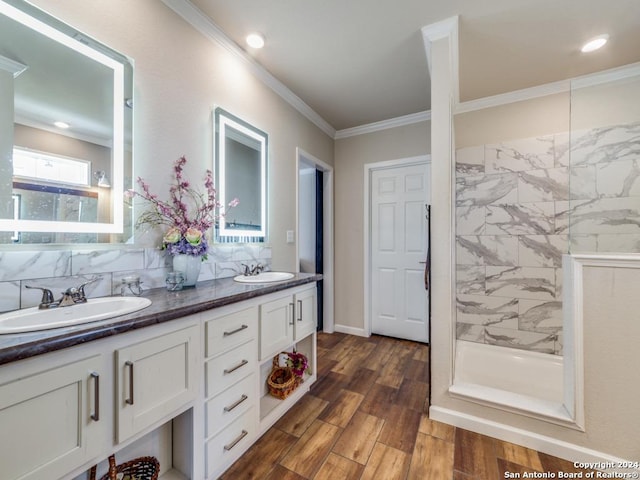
{"type": "Point", "coordinates": [595, 43]}
{"type": "Point", "coordinates": [255, 40]}
{"type": "Point", "coordinates": [61, 124]}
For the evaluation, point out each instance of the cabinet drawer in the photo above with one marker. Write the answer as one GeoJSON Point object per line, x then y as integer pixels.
{"type": "Point", "coordinates": [227, 369]}
{"type": "Point", "coordinates": [226, 446]}
{"type": "Point", "coordinates": [230, 404]}
{"type": "Point", "coordinates": [231, 330]}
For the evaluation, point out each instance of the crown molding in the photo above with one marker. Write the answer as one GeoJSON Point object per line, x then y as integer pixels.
{"type": "Point", "coordinates": [384, 124]}
{"type": "Point", "coordinates": [562, 86]}
{"type": "Point", "coordinates": [513, 97]}
{"type": "Point", "coordinates": [445, 29]}
{"type": "Point", "coordinates": [11, 66]}
{"type": "Point", "coordinates": [33, 123]}
{"type": "Point", "coordinates": [606, 76]}
{"type": "Point", "coordinates": [202, 23]}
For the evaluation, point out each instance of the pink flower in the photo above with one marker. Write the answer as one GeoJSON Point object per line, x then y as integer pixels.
{"type": "Point", "coordinates": [234, 203]}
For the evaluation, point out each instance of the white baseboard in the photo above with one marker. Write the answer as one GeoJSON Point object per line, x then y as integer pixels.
{"type": "Point", "coordinates": [360, 332]}
{"type": "Point", "coordinates": [551, 446]}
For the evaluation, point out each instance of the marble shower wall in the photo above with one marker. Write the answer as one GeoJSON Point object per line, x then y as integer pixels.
{"type": "Point", "coordinates": [516, 215]}
{"type": "Point", "coordinates": [60, 269]}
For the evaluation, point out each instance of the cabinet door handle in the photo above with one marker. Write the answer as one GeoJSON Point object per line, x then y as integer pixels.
{"type": "Point", "coordinates": [293, 309]}
{"type": "Point", "coordinates": [233, 369]}
{"type": "Point", "coordinates": [96, 394]}
{"type": "Point", "coordinates": [236, 403]}
{"type": "Point", "coordinates": [235, 442]}
{"type": "Point", "coordinates": [299, 310]}
{"type": "Point", "coordinates": [243, 327]}
{"type": "Point", "coordinates": [129, 400]}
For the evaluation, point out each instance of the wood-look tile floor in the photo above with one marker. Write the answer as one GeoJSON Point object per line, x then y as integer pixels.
{"type": "Point", "coordinates": [365, 419]}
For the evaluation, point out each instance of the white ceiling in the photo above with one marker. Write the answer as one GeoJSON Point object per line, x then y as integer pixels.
{"type": "Point", "coordinates": [356, 62]}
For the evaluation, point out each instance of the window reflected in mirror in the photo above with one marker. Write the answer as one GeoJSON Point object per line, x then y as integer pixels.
{"type": "Point", "coordinates": [65, 147]}
{"type": "Point", "coordinates": [241, 152]}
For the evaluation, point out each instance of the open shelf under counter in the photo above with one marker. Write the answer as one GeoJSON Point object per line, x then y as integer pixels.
{"type": "Point", "coordinates": [272, 408]}
{"type": "Point", "coordinates": [172, 474]}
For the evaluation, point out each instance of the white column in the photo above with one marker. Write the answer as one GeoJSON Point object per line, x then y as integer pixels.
{"type": "Point", "coordinates": [442, 48]}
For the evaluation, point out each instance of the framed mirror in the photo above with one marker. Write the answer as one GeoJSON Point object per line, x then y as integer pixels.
{"type": "Point", "coordinates": [240, 168]}
{"type": "Point", "coordinates": [65, 132]}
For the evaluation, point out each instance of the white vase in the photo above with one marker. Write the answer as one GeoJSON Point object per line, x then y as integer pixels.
{"type": "Point", "coordinates": [189, 265]}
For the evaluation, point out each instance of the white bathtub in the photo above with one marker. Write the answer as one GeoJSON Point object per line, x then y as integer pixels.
{"type": "Point", "coordinates": [516, 380]}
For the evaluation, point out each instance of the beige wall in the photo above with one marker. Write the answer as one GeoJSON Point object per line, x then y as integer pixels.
{"type": "Point", "coordinates": [179, 76]}
{"type": "Point", "coordinates": [351, 155]}
{"type": "Point", "coordinates": [531, 118]}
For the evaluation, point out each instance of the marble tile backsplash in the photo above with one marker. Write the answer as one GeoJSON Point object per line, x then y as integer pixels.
{"type": "Point", "coordinates": [60, 269]}
{"type": "Point", "coordinates": [521, 205]}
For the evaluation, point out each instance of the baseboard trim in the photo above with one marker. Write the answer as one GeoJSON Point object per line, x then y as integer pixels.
{"type": "Point", "coordinates": [551, 446]}
{"type": "Point", "coordinates": [360, 332]}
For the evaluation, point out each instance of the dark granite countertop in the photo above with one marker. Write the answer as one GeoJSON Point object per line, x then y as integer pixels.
{"type": "Point", "coordinates": [165, 306]}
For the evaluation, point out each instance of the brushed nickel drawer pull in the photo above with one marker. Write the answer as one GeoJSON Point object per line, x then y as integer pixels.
{"type": "Point", "coordinates": [129, 400]}
{"type": "Point", "coordinates": [293, 309]}
{"type": "Point", "coordinates": [299, 310]}
{"type": "Point", "coordinates": [235, 442]}
{"type": "Point", "coordinates": [243, 327]}
{"type": "Point", "coordinates": [230, 370]}
{"type": "Point", "coordinates": [95, 416]}
{"type": "Point", "coordinates": [236, 403]}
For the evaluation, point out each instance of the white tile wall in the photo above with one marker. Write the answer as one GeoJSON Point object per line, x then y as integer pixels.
{"type": "Point", "coordinates": [520, 205]}
{"type": "Point", "coordinates": [60, 269]}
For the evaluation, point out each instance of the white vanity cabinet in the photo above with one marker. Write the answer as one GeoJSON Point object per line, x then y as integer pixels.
{"type": "Point", "coordinates": [241, 343]}
{"type": "Point", "coordinates": [276, 326]}
{"type": "Point", "coordinates": [230, 385]}
{"type": "Point", "coordinates": [287, 319]}
{"type": "Point", "coordinates": [306, 313]}
{"type": "Point", "coordinates": [50, 417]}
{"type": "Point", "coordinates": [191, 391]}
{"type": "Point", "coordinates": [287, 323]}
{"type": "Point", "coordinates": [154, 377]}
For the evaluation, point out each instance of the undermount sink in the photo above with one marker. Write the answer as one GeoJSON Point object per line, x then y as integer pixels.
{"type": "Point", "coordinates": [264, 277]}
{"type": "Point", "coordinates": [34, 319]}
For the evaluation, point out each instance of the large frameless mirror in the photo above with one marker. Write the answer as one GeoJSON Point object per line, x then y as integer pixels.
{"type": "Point", "coordinates": [65, 132]}
{"type": "Point", "coordinates": [240, 172]}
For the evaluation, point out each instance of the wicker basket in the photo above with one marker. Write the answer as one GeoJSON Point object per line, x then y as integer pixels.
{"type": "Point", "coordinates": [142, 468]}
{"type": "Point", "coordinates": [282, 381]}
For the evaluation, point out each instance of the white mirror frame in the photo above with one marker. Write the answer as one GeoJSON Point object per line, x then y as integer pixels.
{"type": "Point", "coordinates": [117, 205]}
{"type": "Point", "coordinates": [224, 120]}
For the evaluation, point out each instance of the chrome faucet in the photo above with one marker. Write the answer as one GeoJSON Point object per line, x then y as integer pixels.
{"type": "Point", "coordinates": [253, 270]}
{"type": "Point", "coordinates": [70, 296]}
{"type": "Point", "coordinates": [47, 300]}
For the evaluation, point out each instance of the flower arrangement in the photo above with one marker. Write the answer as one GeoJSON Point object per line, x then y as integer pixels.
{"type": "Point", "coordinates": [188, 213]}
{"type": "Point", "coordinates": [297, 362]}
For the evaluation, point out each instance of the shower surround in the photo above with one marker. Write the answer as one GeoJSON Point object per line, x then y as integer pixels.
{"type": "Point", "coordinates": [514, 207]}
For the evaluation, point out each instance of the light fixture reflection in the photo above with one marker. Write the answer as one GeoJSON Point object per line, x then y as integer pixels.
{"type": "Point", "coordinates": [103, 181]}
{"type": "Point", "coordinates": [59, 124]}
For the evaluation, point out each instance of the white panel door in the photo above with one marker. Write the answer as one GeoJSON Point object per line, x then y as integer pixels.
{"type": "Point", "coordinates": [399, 244]}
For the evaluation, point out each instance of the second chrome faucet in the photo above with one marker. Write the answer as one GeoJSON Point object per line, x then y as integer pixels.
{"type": "Point", "coordinates": [70, 296]}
